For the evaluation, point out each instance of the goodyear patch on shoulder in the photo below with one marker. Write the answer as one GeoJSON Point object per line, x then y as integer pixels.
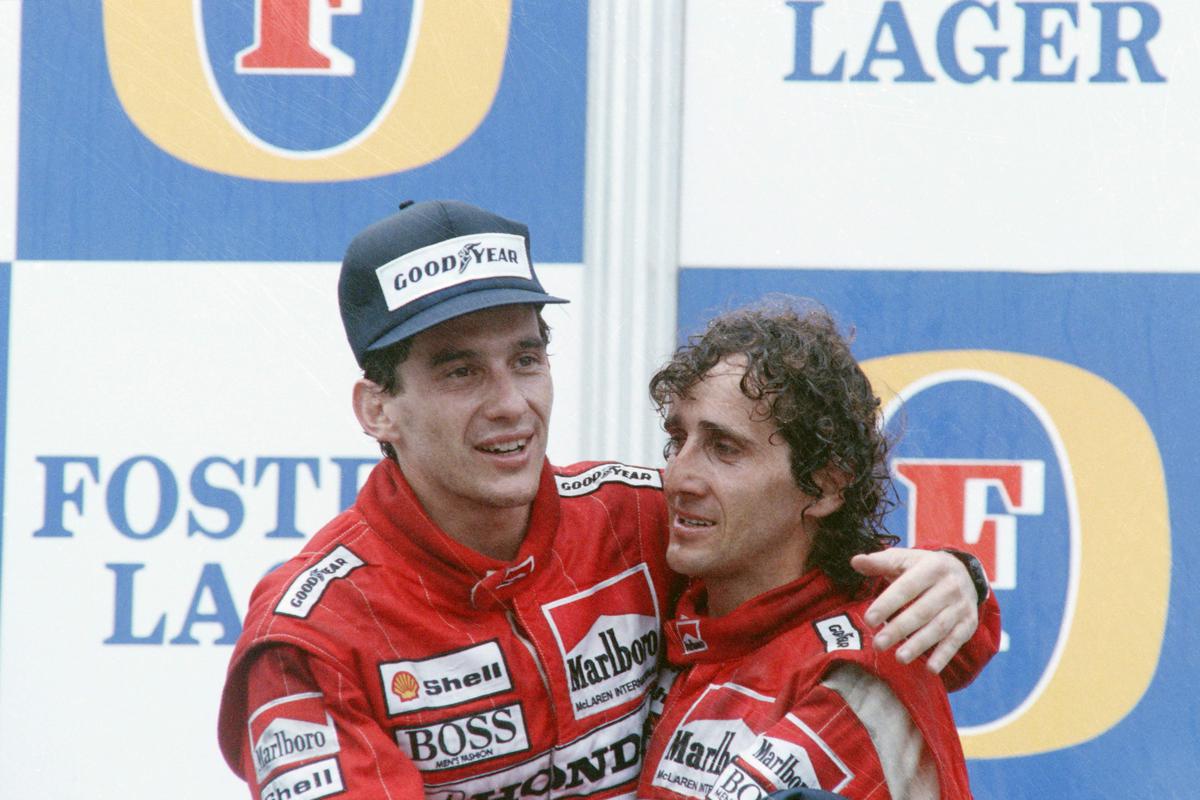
{"type": "Point", "coordinates": [306, 588]}
{"type": "Point", "coordinates": [590, 480]}
{"type": "Point", "coordinates": [838, 633]}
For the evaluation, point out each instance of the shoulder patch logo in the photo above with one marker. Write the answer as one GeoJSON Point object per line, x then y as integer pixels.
{"type": "Point", "coordinates": [838, 633]}
{"type": "Point", "coordinates": [590, 480]}
{"type": "Point", "coordinates": [689, 635]}
{"type": "Point", "coordinates": [306, 588]}
{"type": "Point", "coordinates": [311, 781]}
{"type": "Point", "coordinates": [291, 729]}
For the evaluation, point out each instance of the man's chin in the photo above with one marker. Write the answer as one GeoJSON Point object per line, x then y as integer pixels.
{"type": "Point", "coordinates": [683, 562]}
{"type": "Point", "coordinates": [516, 495]}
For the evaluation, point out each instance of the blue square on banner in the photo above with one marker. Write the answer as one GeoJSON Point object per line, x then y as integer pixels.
{"type": "Point", "coordinates": [206, 131]}
{"type": "Point", "coordinates": [1053, 417]}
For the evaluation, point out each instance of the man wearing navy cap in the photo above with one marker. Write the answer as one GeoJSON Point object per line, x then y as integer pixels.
{"type": "Point", "coordinates": [478, 624]}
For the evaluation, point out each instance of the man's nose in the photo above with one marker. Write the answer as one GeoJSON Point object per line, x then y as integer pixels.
{"type": "Point", "coordinates": [505, 398]}
{"type": "Point", "coordinates": [683, 475]}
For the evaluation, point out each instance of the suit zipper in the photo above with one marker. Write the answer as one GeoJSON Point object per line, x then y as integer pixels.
{"type": "Point", "coordinates": [510, 615]}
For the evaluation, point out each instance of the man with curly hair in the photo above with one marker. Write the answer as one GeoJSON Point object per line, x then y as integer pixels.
{"type": "Point", "coordinates": [776, 481]}
{"type": "Point", "coordinates": [480, 623]}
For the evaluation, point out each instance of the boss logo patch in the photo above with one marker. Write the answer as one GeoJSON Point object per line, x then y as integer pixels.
{"type": "Point", "coordinates": [465, 740]}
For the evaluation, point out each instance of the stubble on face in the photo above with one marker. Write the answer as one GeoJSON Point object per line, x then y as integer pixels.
{"type": "Point", "coordinates": [737, 516]}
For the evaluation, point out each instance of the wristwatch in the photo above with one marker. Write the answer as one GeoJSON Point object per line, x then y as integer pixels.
{"type": "Point", "coordinates": [975, 569]}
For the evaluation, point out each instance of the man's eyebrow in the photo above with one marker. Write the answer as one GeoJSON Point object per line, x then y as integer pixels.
{"type": "Point", "coordinates": [446, 356]}
{"type": "Point", "coordinates": [673, 422]}
{"type": "Point", "coordinates": [716, 429]}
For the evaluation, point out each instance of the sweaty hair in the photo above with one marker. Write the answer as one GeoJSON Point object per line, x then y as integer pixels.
{"type": "Point", "coordinates": [381, 367]}
{"type": "Point", "coordinates": [801, 369]}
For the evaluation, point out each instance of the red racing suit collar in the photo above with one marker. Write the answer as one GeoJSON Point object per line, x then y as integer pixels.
{"type": "Point", "coordinates": [694, 637]}
{"type": "Point", "coordinates": [392, 509]}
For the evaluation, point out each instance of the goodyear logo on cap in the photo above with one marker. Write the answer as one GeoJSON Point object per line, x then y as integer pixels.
{"type": "Point", "coordinates": [450, 263]}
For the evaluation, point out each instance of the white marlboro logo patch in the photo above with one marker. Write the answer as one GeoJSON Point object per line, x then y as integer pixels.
{"type": "Point", "coordinates": [790, 756]}
{"type": "Point", "coordinates": [609, 640]}
{"type": "Point", "coordinates": [440, 266]}
{"type": "Point", "coordinates": [698, 752]}
{"type": "Point", "coordinates": [289, 730]}
{"type": "Point", "coordinates": [731, 745]}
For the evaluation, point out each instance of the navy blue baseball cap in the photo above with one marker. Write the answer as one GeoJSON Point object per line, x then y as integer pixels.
{"type": "Point", "coordinates": [428, 263]}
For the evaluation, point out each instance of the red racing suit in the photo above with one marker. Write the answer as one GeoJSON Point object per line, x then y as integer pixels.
{"type": "Point", "coordinates": [387, 660]}
{"type": "Point", "coordinates": [787, 690]}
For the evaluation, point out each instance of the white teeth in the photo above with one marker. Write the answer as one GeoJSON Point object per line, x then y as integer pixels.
{"type": "Point", "coordinates": [693, 523]}
{"type": "Point", "coordinates": [511, 447]}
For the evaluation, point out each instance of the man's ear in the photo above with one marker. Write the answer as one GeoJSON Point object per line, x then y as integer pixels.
{"type": "Point", "coordinates": [832, 483]}
{"type": "Point", "coordinates": [374, 413]}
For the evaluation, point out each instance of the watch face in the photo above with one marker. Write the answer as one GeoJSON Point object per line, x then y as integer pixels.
{"type": "Point", "coordinates": [978, 576]}
{"type": "Point", "coordinates": [974, 569]}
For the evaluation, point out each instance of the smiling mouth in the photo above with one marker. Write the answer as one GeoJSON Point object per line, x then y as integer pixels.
{"type": "Point", "coordinates": [507, 448]}
{"type": "Point", "coordinates": [694, 523]}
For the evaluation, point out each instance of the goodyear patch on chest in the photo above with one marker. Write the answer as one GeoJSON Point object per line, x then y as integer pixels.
{"type": "Point", "coordinates": [590, 480]}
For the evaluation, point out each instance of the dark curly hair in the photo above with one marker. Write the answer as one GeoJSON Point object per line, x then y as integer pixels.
{"type": "Point", "coordinates": [825, 409]}
{"type": "Point", "coordinates": [380, 367]}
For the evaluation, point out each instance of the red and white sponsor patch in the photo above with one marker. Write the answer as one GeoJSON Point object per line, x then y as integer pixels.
{"type": "Point", "coordinates": [290, 730]}
{"type": "Point", "coordinates": [599, 761]}
{"type": "Point", "coordinates": [729, 745]}
{"type": "Point", "coordinates": [792, 754]}
{"type": "Point", "coordinates": [690, 636]}
{"type": "Point", "coordinates": [609, 637]}
{"type": "Point", "coordinates": [698, 752]}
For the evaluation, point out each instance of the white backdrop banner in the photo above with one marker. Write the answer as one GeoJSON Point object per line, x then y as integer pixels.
{"type": "Point", "coordinates": [1039, 135]}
